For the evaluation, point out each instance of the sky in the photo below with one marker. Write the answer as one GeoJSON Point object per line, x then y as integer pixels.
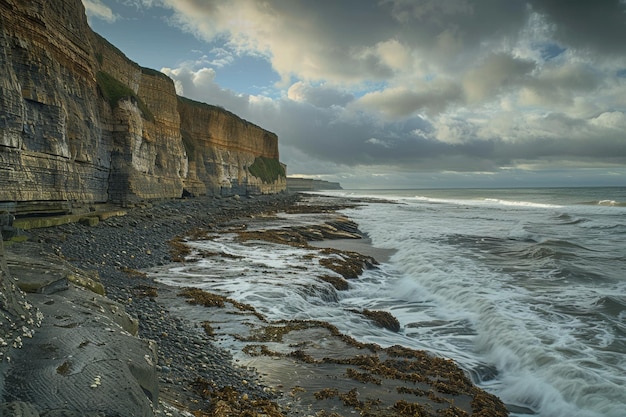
{"type": "Point", "coordinates": [402, 93]}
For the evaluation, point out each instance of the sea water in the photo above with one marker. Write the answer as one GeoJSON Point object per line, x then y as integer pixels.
{"type": "Point", "coordinates": [523, 288]}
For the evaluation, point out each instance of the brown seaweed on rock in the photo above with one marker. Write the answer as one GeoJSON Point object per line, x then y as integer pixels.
{"type": "Point", "coordinates": [348, 264]}
{"type": "Point", "coordinates": [381, 318]}
{"type": "Point", "coordinates": [203, 298]}
{"type": "Point", "coordinates": [339, 283]}
{"type": "Point", "coordinates": [227, 402]}
{"type": "Point", "coordinates": [196, 296]}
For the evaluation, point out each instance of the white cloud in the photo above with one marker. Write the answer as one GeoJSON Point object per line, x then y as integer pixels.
{"type": "Point", "coordinates": [199, 84]}
{"type": "Point", "coordinates": [559, 83]}
{"type": "Point", "coordinates": [394, 54]}
{"type": "Point", "coordinates": [611, 120]}
{"type": "Point", "coordinates": [399, 102]}
{"type": "Point", "coordinates": [320, 96]}
{"type": "Point", "coordinates": [223, 57]}
{"type": "Point", "coordinates": [378, 142]}
{"type": "Point", "coordinates": [453, 130]}
{"type": "Point", "coordinates": [306, 40]}
{"type": "Point", "coordinates": [98, 10]}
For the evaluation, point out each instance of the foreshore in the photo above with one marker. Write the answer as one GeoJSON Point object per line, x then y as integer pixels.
{"type": "Point", "coordinates": [195, 376]}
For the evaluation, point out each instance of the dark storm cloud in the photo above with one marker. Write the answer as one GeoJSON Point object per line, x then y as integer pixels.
{"type": "Point", "coordinates": [598, 25]}
{"type": "Point", "coordinates": [321, 131]}
{"type": "Point", "coordinates": [583, 143]}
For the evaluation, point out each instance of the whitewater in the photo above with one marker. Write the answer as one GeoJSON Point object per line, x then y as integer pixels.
{"type": "Point", "coordinates": [524, 288]}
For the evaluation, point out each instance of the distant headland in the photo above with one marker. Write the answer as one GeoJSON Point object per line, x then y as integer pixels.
{"type": "Point", "coordinates": [295, 184]}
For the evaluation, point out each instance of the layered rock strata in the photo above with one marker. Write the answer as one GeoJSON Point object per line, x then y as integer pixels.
{"type": "Point", "coordinates": [222, 148]}
{"type": "Point", "coordinates": [80, 123]}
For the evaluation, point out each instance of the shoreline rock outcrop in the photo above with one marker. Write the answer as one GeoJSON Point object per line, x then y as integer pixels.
{"type": "Point", "coordinates": [73, 351]}
{"type": "Point", "coordinates": [80, 123]}
{"type": "Point", "coordinates": [65, 349]}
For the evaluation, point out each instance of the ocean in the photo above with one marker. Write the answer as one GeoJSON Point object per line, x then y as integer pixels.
{"type": "Point", "coordinates": [524, 288]}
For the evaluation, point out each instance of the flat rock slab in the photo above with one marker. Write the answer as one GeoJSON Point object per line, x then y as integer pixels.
{"type": "Point", "coordinates": [82, 360]}
{"type": "Point", "coordinates": [37, 275]}
{"type": "Point", "coordinates": [39, 272]}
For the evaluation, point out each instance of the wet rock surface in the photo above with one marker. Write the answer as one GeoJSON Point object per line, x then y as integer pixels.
{"type": "Point", "coordinates": [319, 370]}
{"type": "Point", "coordinates": [81, 359]}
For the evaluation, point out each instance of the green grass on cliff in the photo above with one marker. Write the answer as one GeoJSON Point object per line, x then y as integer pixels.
{"type": "Point", "coordinates": [155, 73]}
{"type": "Point", "coordinates": [267, 169]}
{"type": "Point", "coordinates": [114, 90]}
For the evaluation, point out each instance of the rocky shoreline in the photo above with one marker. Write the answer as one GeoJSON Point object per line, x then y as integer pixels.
{"type": "Point", "coordinates": [185, 372]}
{"type": "Point", "coordinates": [115, 250]}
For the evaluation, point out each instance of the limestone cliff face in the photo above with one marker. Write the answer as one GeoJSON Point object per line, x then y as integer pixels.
{"type": "Point", "coordinates": [81, 123]}
{"type": "Point", "coordinates": [51, 142]}
{"type": "Point", "coordinates": [222, 148]}
{"type": "Point", "coordinates": [148, 160]}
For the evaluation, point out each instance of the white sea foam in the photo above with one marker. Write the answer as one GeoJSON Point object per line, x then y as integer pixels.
{"type": "Point", "coordinates": [607, 203]}
{"type": "Point", "coordinates": [521, 203]}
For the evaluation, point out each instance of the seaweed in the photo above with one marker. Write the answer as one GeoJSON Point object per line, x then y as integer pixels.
{"type": "Point", "coordinates": [267, 169]}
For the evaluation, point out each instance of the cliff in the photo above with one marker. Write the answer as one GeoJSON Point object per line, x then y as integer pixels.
{"type": "Point", "coordinates": [80, 123]}
{"type": "Point", "coordinates": [308, 184]}
{"type": "Point", "coordinates": [227, 154]}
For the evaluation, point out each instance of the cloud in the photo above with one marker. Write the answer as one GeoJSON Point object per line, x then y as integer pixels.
{"type": "Point", "coordinates": [613, 120]}
{"type": "Point", "coordinates": [95, 9]}
{"type": "Point", "coordinates": [355, 41]}
{"type": "Point", "coordinates": [495, 73]}
{"type": "Point", "coordinates": [556, 139]}
{"type": "Point", "coordinates": [315, 41]}
{"type": "Point", "coordinates": [320, 96]}
{"type": "Point", "coordinates": [398, 102]}
{"type": "Point", "coordinates": [223, 58]}
{"type": "Point", "coordinates": [560, 84]}
{"type": "Point", "coordinates": [428, 86]}
{"type": "Point", "coordinates": [597, 26]}
{"type": "Point", "coordinates": [334, 138]}
{"type": "Point", "coordinates": [200, 85]}
{"type": "Point", "coordinates": [453, 130]}
{"type": "Point", "coordinates": [378, 142]}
